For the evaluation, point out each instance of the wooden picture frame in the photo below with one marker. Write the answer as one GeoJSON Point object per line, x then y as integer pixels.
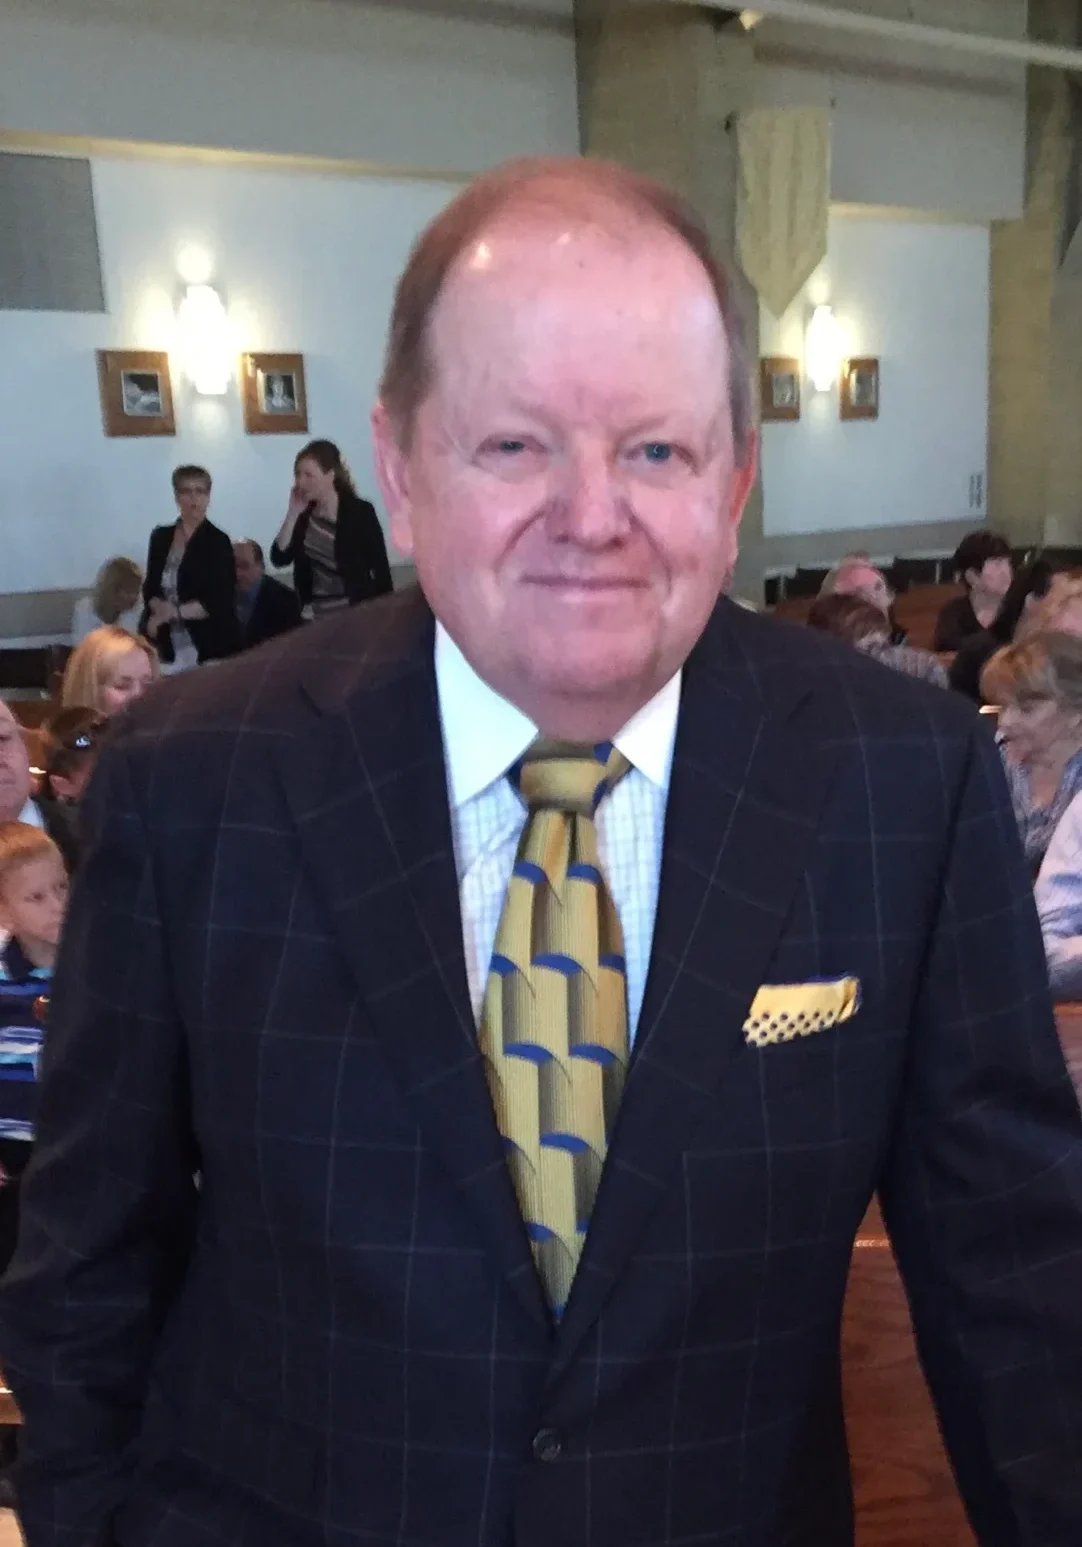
{"type": "Point", "coordinates": [779, 388]}
{"type": "Point", "coordinates": [274, 393]}
{"type": "Point", "coordinates": [136, 392]}
{"type": "Point", "coordinates": [860, 388]}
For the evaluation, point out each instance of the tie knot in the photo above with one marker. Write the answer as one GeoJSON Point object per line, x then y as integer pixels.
{"type": "Point", "coordinates": [568, 775]}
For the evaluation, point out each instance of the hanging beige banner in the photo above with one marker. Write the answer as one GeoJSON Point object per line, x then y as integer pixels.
{"type": "Point", "coordinates": [783, 199]}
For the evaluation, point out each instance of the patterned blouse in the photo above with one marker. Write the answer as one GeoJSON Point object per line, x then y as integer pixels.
{"type": "Point", "coordinates": [185, 655]}
{"type": "Point", "coordinates": [1037, 823]}
{"type": "Point", "coordinates": [328, 588]}
{"type": "Point", "coordinates": [904, 658]}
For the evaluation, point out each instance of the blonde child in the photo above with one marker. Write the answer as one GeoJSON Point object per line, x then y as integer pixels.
{"type": "Point", "coordinates": [33, 896]}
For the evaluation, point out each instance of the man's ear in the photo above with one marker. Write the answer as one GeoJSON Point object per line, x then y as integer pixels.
{"type": "Point", "coordinates": [744, 479]}
{"type": "Point", "coordinates": [392, 473]}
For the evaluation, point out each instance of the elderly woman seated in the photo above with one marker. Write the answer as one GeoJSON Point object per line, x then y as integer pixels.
{"type": "Point", "coordinates": [1037, 686]}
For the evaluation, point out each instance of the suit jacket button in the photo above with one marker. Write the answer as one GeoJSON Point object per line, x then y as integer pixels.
{"type": "Point", "coordinates": [547, 1445]}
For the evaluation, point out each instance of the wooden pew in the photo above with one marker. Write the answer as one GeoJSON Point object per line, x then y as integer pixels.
{"type": "Point", "coordinates": [903, 1489]}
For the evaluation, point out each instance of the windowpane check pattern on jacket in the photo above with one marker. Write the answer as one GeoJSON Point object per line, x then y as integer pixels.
{"type": "Point", "coordinates": [554, 1028]}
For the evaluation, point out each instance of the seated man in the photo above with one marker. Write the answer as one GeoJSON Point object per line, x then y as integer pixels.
{"type": "Point", "coordinates": [856, 575]}
{"type": "Point", "coordinates": [16, 804]}
{"type": "Point", "coordinates": [265, 607]}
{"type": "Point", "coordinates": [1059, 903]}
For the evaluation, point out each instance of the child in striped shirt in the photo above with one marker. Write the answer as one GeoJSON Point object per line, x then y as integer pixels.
{"type": "Point", "coordinates": [33, 896]}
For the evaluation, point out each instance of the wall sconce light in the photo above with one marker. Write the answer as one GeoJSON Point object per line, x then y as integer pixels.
{"type": "Point", "coordinates": [823, 349]}
{"type": "Point", "coordinates": [204, 339]}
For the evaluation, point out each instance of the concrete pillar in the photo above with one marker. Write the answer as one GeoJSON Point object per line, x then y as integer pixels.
{"type": "Point", "coordinates": [1034, 470]}
{"type": "Point", "coordinates": [657, 86]}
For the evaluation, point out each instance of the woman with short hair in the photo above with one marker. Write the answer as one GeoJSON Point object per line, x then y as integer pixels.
{"type": "Point", "coordinates": [191, 584]}
{"type": "Point", "coordinates": [982, 562]}
{"type": "Point", "coordinates": [1036, 684]}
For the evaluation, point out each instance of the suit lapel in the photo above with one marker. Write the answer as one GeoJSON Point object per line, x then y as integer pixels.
{"type": "Point", "coordinates": [368, 791]}
{"type": "Point", "coordinates": [743, 809]}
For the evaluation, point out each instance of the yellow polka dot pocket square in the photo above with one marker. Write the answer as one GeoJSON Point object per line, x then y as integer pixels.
{"type": "Point", "coordinates": [781, 1012]}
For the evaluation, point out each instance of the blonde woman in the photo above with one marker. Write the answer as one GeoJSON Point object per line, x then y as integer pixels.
{"type": "Point", "coordinates": [117, 598]}
{"type": "Point", "coordinates": [108, 670]}
{"type": "Point", "coordinates": [1037, 685]}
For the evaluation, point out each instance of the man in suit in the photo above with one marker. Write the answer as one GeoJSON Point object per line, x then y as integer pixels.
{"type": "Point", "coordinates": [541, 970]}
{"type": "Point", "coordinates": [265, 607]}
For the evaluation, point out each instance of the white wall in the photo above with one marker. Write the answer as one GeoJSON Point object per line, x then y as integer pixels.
{"type": "Point", "coordinates": [379, 82]}
{"type": "Point", "coordinates": [913, 128]}
{"type": "Point", "coordinates": [304, 263]}
{"type": "Point", "coordinates": [915, 295]}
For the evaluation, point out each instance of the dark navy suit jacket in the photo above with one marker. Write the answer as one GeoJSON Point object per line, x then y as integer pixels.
{"type": "Point", "coordinates": [338, 1339]}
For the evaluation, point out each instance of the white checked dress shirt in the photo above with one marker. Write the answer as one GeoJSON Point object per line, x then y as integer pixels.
{"type": "Point", "coordinates": [483, 735]}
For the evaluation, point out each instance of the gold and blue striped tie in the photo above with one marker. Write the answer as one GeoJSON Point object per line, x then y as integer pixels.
{"type": "Point", "coordinates": [554, 1029]}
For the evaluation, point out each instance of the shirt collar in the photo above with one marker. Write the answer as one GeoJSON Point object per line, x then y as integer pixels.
{"type": "Point", "coordinates": [483, 734]}
{"type": "Point", "coordinates": [17, 965]}
{"type": "Point", "coordinates": [31, 815]}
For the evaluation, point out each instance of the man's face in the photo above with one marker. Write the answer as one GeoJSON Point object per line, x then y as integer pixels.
{"type": "Point", "coordinates": [570, 496]}
{"type": "Point", "coordinates": [14, 768]}
{"type": "Point", "coordinates": [249, 569]}
{"type": "Point", "coordinates": [193, 499]}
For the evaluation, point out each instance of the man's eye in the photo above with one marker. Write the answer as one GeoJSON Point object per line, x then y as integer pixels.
{"type": "Point", "coordinates": [658, 452]}
{"type": "Point", "coordinates": [510, 447]}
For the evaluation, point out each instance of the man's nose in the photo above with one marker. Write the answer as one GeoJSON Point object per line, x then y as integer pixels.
{"type": "Point", "coordinates": [592, 509]}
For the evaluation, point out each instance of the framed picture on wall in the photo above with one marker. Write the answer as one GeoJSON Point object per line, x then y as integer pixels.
{"type": "Point", "coordinates": [136, 392]}
{"type": "Point", "coordinates": [275, 398]}
{"type": "Point", "coordinates": [860, 389]}
{"type": "Point", "coordinates": [779, 388]}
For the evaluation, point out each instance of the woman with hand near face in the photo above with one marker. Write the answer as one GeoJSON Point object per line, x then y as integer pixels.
{"type": "Point", "coordinates": [330, 536]}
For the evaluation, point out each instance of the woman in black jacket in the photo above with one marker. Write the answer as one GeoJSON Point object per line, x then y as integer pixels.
{"type": "Point", "coordinates": [331, 536]}
{"type": "Point", "coordinates": [191, 581]}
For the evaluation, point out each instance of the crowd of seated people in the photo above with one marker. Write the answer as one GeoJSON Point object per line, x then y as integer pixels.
{"type": "Point", "coordinates": [1012, 644]}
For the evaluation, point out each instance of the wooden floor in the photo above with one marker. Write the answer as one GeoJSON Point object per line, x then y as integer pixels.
{"type": "Point", "coordinates": [902, 1484]}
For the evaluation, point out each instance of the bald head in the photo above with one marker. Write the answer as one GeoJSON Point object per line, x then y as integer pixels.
{"type": "Point", "coordinates": [548, 200]}
{"type": "Point", "coordinates": [14, 768]}
{"type": "Point", "coordinates": [858, 577]}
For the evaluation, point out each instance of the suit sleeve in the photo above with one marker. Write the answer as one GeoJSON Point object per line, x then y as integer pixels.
{"type": "Point", "coordinates": [109, 1198]}
{"type": "Point", "coordinates": [982, 1189]}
